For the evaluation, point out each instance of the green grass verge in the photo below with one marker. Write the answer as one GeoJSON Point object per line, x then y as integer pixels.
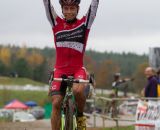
{"type": "Point", "coordinates": [121, 128]}
{"type": "Point", "coordinates": [7, 95]}
{"type": "Point", "coordinates": [18, 81]}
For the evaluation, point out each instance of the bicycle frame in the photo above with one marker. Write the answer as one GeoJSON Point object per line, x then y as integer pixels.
{"type": "Point", "coordinates": [68, 96]}
{"type": "Point", "coordinates": [68, 107]}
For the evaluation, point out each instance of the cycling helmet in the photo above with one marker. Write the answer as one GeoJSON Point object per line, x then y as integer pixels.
{"type": "Point", "coordinates": [69, 2]}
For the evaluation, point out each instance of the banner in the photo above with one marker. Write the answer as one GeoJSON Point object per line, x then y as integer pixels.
{"type": "Point", "coordinates": [148, 115]}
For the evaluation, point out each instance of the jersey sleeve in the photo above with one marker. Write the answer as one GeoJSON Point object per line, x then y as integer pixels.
{"type": "Point", "coordinates": [91, 14]}
{"type": "Point", "coordinates": [50, 12]}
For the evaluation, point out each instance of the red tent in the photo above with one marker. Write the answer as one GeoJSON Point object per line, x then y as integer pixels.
{"type": "Point", "coordinates": [15, 104]}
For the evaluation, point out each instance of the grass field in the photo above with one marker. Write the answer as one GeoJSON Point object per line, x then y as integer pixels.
{"type": "Point", "coordinates": [8, 95]}
{"type": "Point", "coordinates": [18, 81]}
{"type": "Point", "coordinates": [121, 128]}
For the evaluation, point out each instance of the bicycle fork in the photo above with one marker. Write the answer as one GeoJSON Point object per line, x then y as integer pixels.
{"type": "Point", "coordinates": [63, 114]}
{"type": "Point", "coordinates": [63, 122]}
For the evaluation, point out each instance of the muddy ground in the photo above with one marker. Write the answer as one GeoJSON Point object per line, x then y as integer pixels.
{"type": "Point", "coordinates": [37, 125]}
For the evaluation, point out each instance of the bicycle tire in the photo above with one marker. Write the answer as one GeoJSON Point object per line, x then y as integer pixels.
{"type": "Point", "coordinates": [69, 115]}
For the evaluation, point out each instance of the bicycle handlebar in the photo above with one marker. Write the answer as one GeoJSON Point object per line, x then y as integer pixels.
{"type": "Point", "coordinates": [71, 80]}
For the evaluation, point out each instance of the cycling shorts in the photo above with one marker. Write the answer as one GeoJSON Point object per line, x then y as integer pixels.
{"type": "Point", "coordinates": [59, 88]}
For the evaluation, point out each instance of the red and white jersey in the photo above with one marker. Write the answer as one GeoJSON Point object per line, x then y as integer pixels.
{"type": "Point", "coordinates": [70, 38]}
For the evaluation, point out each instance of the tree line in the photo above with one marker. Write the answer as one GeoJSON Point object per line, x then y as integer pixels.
{"type": "Point", "coordinates": [35, 63]}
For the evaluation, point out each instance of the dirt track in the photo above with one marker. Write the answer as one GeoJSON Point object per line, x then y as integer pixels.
{"type": "Point", "coordinates": [38, 125]}
{"type": "Point", "coordinates": [45, 124]}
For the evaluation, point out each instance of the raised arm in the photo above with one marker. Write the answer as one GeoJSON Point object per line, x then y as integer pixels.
{"type": "Point", "coordinates": [91, 14]}
{"type": "Point", "coordinates": [50, 12]}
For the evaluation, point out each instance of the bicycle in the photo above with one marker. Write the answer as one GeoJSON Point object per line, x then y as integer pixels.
{"type": "Point", "coordinates": [68, 107]}
{"type": "Point", "coordinates": [112, 106]}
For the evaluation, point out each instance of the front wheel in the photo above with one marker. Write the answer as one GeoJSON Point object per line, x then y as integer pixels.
{"type": "Point", "coordinates": [69, 115]}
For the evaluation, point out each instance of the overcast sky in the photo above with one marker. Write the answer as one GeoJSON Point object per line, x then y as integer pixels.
{"type": "Point", "coordinates": [120, 25]}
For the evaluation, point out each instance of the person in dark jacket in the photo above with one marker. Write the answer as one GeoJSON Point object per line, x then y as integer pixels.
{"type": "Point", "coordinates": [151, 86]}
{"type": "Point", "coordinates": [117, 82]}
{"type": "Point", "coordinates": [158, 75]}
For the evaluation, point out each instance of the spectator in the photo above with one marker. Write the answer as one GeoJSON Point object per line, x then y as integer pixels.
{"type": "Point", "coordinates": [158, 75]}
{"type": "Point", "coordinates": [117, 82]}
{"type": "Point", "coordinates": [158, 79]}
{"type": "Point", "coordinates": [151, 86]}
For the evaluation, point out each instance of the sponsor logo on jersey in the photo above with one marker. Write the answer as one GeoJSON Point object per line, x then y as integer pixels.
{"type": "Point", "coordinates": [73, 45]}
{"type": "Point", "coordinates": [74, 35]}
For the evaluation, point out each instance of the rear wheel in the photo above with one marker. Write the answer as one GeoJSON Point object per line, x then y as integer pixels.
{"type": "Point", "coordinates": [69, 115]}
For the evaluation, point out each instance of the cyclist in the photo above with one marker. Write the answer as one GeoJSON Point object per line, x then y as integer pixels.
{"type": "Point", "coordinates": [70, 36]}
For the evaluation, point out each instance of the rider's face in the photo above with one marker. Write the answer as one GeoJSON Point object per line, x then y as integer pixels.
{"type": "Point", "coordinates": [70, 11]}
